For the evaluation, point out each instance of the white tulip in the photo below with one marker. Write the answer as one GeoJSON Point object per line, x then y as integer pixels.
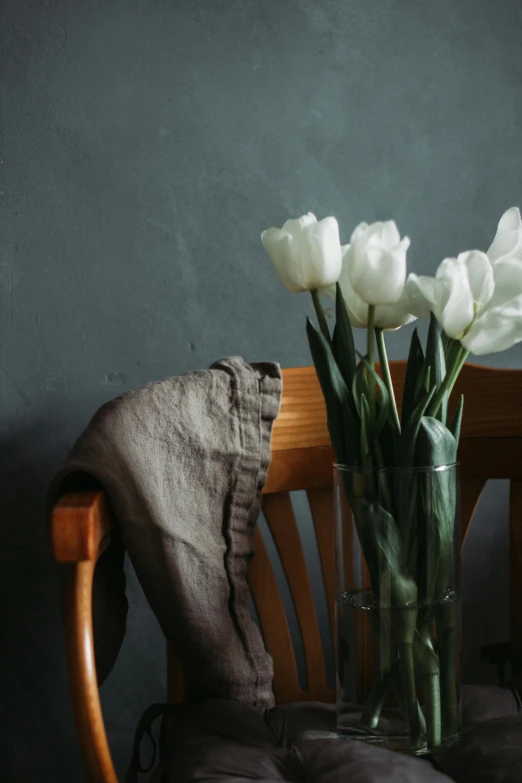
{"type": "Point", "coordinates": [477, 297]}
{"type": "Point", "coordinates": [508, 239]}
{"type": "Point", "coordinates": [498, 325]}
{"type": "Point", "coordinates": [459, 290]}
{"type": "Point", "coordinates": [306, 253]}
{"type": "Point", "coordinates": [376, 262]}
{"type": "Point", "coordinates": [389, 316]}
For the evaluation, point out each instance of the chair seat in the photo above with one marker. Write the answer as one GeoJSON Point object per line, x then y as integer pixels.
{"type": "Point", "coordinates": [224, 741]}
{"type": "Point", "coordinates": [221, 741]}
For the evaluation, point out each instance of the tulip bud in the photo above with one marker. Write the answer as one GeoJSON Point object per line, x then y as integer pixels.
{"type": "Point", "coordinates": [306, 253]}
{"type": "Point", "coordinates": [377, 262]}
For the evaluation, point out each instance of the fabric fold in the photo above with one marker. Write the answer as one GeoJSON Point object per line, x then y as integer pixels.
{"type": "Point", "coordinates": [184, 462]}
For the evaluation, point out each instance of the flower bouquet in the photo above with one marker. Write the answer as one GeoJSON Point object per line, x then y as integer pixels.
{"type": "Point", "coordinates": [396, 482]}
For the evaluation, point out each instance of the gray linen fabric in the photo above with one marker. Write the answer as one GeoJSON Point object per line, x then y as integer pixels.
{"type": "Point", "coordinates": [183, 462]}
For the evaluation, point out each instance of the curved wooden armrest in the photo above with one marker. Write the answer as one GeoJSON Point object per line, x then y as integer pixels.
{"type": "Point", "coordinates": [80, 527]}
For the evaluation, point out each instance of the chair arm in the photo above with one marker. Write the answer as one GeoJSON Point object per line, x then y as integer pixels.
{"type": "Point", "coordinates": [80, 527]}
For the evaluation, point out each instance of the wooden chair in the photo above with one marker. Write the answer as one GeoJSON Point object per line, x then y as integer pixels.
{"type": "Point", "coordinates": [491, 447]}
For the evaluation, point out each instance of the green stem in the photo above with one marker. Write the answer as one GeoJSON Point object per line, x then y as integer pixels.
{"type": "Point", "coordinates": [323, 326]}
{"type": "Point", "coordinates": [448, 382]}
{"type": "Point", "coordinates": [385, 369]}
{"type": "Point", "coordinates": [399, 690]}
{"type": "Point", "coordinates": [448, 685]}
{"type": "Point", "coordinates": [409, 693]}
{"type": "Point", "coordinates": [384, 650]}
{"type": "Point", "coordinates": [433, 719]}
{"type": "Point", "coordinates": [371, 359]}
{"type": "Point", "coordinates": [375, 701]}
{"type": "Point", "coordinates": [451, 349]}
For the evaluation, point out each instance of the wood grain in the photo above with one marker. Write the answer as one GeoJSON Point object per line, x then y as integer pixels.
{"type": "Point", "coordinates": [274, 625]}
{"type": "Point", "coordinates": [281, 521]}
{"type": "Point", "coordinates": [82, 673]}
{"type": "Point", "coordinates": [80, 524]}
{"type": "Point", "coordinates": [301, 423]}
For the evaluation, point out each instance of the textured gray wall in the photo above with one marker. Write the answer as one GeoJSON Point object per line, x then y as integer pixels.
{"type": "Point", "coordinates": [145, 146]}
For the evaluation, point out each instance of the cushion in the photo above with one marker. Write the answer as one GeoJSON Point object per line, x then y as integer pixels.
{"type": "Point", "coordinates": [224, 741]}
{"type": "Point", "coordinates": [490, 747]}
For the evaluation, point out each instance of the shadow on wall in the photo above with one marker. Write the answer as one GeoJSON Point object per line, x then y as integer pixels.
{"type": "Point", "coordinates": [485, 582]}
{"type": "Point", "coordinates": [38, 735]}
{"type": "Point", "coordinates": [33, 680]}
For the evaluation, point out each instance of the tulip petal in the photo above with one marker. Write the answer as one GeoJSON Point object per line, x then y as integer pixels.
{"type": "Point", "coordinates": [357, 309]}
{"type": "Point", "coordinates": [357, 232]}
{"type": "Point", "coordinates": [508, 239]}
{"type": "Point", "coordinates": [380, 275]}
{"type": "Point", "coordinates": [507, 274]}
{"type": "Point", "coordinates": [390, 233]}
{"type": "Point", "coordinates": [404, 244]}
{"type": "Point", "coordinates": [496, 329]}
{"type": "Point", "coordinates": [378, 263]}
{"type": "Point", "coordinates": [480, 276]}
{"type": "Point", "coordinates": [458, 311]}
{"type": "Point", "coordinates": [276, 243]}
{"type": "Point", "coordinates": [295, 226]}
{"type": "Point", "coordinates": [427, 295]}
{"type": "Point", "coordinates": [324, 248]}
{"type": "Point", "coordinates": [391, 317]}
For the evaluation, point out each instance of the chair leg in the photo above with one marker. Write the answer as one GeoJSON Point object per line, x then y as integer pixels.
{"type": "Point", "coordinates": [82, 674]}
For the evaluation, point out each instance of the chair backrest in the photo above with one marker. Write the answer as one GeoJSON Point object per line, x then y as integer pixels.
{"type": "Point", "coordinates": [490, 447]}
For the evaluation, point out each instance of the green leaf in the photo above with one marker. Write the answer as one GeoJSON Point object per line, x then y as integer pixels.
{"type": "Point", "coordinates": [343, 345]}
{"type": "Point", "coordinates": [366, 456]}
{"type": "Point", "coordinates": [405, 488]}
{"type": "Point", "coordinates": [436, 562]}
{"type": "Point", "coordinates": [382, 546]}
{"type": "Point", "coordinates": [413, 372]}
{"type": "Point", "coordinates": [383, 398]}
{"type": "Point", "coordinates": [382, 432]}
{"type": "Point", "coordinates": [436, 361]}
{"type": "Point", "coordinates": [326, 365]}
{"type": "Point", "coordinates": [342, 426]}
{"type": "Point", "coordinates": [457, 420]}
{"type": "Point", "coordinates": [389, 442]}
{"type": "Point", "coordinates": [408, 439]}
{"type": "Point", "coordinates": [423, 385]}
{"type": "Point", "coordinates": [359, 385]}
{"type": "Point", "coordinates": [436, 445]}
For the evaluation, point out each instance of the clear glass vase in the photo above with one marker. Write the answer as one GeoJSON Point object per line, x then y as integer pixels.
{"type": "Point", "coordinates": [398, 607]}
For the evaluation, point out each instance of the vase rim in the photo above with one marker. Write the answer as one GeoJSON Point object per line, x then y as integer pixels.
{"type": "Point", "coordinates": [398, 469]}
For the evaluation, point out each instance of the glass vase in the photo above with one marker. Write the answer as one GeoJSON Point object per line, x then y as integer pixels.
{"type": "Point", "coordinates": [398, 607]}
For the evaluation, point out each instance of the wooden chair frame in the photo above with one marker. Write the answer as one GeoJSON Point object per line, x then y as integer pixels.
{"type": "Point", "coordinates": [301, 458]}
